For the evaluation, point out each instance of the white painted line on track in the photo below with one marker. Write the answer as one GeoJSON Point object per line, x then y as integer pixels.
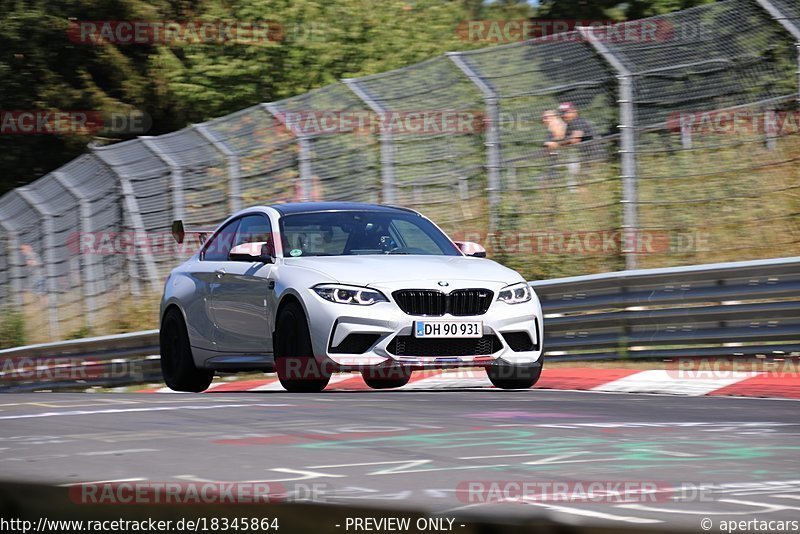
{"type": "Point", "coordinates": [109, 453]}
{"type": "Point", "coordinates": [643, 394]}
{"type": "Point", "coordinates": [138, 410]}
{"type": "Point", "coordinates": [139, 479]}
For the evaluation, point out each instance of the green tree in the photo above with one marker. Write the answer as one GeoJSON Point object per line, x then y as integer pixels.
{"type": "Point", "coordinates": [322, 41]}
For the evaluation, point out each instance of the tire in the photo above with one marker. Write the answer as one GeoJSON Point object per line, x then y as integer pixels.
{"type": "Point", "coordinates": [177, 364]}
{"type": "Point", "coordinates": [298, 370]}
{"type": "Point", "coordinates": [386, 378]}
{"type": "Point", "coordinates": [507, 376]}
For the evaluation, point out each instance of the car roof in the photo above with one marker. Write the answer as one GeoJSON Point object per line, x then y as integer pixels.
{"type": "Point", "coordinates": [314, 207]}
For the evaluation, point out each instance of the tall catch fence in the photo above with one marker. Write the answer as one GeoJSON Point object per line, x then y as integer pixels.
{"type": "Point", "coordinates": [693, 158]}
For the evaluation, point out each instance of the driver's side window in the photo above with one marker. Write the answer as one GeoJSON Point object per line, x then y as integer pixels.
{"type": "Point", "coordinates": [221, 244]}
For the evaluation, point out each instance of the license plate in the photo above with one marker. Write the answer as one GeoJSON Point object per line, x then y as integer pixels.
{"type": "Point", "coordinates": [446, 329]}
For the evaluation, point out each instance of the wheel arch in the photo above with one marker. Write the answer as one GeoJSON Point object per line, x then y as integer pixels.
{"type": "Point", "coordinates": [170, 306]}
{"type": "Point", "coordinates": [289, 297]}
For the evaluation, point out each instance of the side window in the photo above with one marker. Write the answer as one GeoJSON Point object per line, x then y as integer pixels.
{"type": "Point", "coordinates": [255, 229]}
{"type": "Point", "coordinates": [220, 245]}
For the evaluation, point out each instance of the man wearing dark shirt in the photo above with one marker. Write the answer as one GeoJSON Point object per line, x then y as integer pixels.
{"type": "Point", "coordinates": [578, 131]}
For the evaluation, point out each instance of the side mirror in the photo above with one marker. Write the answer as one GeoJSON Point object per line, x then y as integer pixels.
{"type": "Point", "coordinates": [471, 249]}
{"type": "Point", "coordinates": [258, 251]}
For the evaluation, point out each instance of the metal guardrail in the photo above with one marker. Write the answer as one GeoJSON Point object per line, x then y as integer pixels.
{"type": "Point", "coordinates": [98, 361]}
{"type": "Point", "coordinates": [741, 308]}
{"type": "Point", "coordinates": [724, 309]}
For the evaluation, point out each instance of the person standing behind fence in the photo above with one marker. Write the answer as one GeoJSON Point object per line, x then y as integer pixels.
{"type": "Point", "coordinates": [34, 270]}
{"type": "Point", "coordinates": [579, 131]}
{"type": "Point", "coordinates": [556, 130]}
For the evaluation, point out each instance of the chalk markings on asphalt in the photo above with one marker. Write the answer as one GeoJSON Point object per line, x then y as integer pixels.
{"type": "Point", "coordinates": [767, 508]}
{"type": "Point", "coordinates": [403, 467]}
{"type": "Point", "coordinates": [593, 513]}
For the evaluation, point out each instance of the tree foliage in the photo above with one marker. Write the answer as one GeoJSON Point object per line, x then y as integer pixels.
{"type": "Point", "coordinates": [322, 41]}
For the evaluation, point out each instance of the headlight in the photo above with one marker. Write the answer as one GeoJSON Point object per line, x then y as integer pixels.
{"type": "Point", "coordinates": [516, 293]}
{"type": "Point", "coordinates": [349, 294]}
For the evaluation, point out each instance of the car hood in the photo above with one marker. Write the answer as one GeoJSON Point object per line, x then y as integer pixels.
{"type": "Point", "coordinates": [368, 269]}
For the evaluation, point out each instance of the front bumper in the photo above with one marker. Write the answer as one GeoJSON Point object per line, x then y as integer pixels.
{"type": "Point", "coordinates": [384, 325]}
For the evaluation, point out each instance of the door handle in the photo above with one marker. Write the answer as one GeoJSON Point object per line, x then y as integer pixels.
{"type": "Point", "coordinates": [219, 272]}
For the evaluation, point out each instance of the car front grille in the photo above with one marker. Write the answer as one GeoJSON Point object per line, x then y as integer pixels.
{"type": "Point", "coordinates": [421, 301]}
{"type": "Point", "coordinates": [430, 302]}
{"type": "Point", "coordinates": [412, 346]}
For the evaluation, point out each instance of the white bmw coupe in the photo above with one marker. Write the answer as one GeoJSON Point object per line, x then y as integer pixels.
{"type": "Point", "coordinates": [309, 289]}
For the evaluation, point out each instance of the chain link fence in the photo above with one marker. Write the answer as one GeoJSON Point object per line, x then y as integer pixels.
{"type": "Point", "coordinates": [688, 154]}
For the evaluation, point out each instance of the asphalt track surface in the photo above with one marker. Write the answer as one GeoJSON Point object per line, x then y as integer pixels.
{"type": "Point", "coordinates": [733, 458]}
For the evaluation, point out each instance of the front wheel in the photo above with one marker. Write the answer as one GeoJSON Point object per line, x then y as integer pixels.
{"type": "Point", "coordinates": [508, 376]}
{"type": "Point", "coordinates": [298, 370]}
{"type": "Point", "coordinates": [177, 365]}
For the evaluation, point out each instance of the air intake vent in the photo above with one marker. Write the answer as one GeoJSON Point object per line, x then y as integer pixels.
{"type": "Point", "coordinates": [412, 346]}
{"type": "Point", "coordinates": [355, 344]}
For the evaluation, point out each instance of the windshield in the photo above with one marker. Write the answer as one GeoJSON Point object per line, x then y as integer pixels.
{"type": "Point", "coordinates": [350, 233]}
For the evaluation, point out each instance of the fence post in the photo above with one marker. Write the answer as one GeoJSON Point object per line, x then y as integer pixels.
{"type": "Point", "coordinates": [87, 266]}
{"type": "Point", "coordinates": [176, 173]}
{"type": "Point", "coordinates": [48, 257]}
{"type": "Point", "coordinates": [12, 253]}
{"type": "Point", "coordinates": [627, 127]}
{"type": "Point", "coordinates": [304, 158]}
{"type": "Point", "coordinates": [492, 142]}
{"type": "Point", "coordinates": [790, 27]}
{"type": "Point", "coordinates": [132, 209]}
{"type": "Point", "coordinates": [386, 139]}
{"type": "Point", "coordinates": [234, 186]}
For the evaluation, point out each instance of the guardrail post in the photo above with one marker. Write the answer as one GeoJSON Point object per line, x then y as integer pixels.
{"type": "Point", "coordinates": [627, 127]}
{"type": "Point", "coordinates": [48, 257]}
{"type": "Point", "coordinates": [234, 185]}
{"type": "Point", "coordinates": [176, 174]}
{"type": "Point", "coordinates": [303, 158]}
{"type": "Point", "coordinates": [492, 141]}
{"type": "Point", "coordinates": [87, 266]}
{"type": "Point", "coordinates": [386, 140]}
